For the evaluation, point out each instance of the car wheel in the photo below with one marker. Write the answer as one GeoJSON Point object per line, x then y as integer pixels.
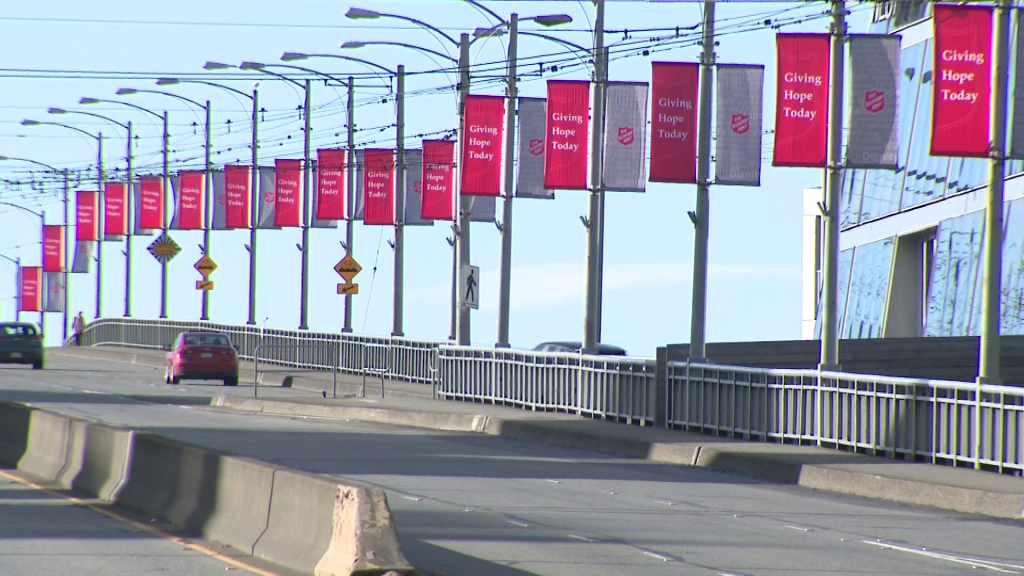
{"type": "Point", "coordinates": [175, 379]}
{"type": "Point", "coordinates": [231, 381]}
{"type": "Point", "coordinates": [37, 365]}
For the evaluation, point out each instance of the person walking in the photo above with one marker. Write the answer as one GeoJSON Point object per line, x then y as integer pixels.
{"type": "Point", "coordinates": [77, 327]}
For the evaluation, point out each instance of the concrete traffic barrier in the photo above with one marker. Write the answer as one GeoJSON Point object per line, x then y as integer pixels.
{"type": "Point", "coordinates": [300, 521]}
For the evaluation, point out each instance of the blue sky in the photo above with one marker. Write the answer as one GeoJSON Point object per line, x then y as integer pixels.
{"type": "Point", "coordinates": [755, 238]}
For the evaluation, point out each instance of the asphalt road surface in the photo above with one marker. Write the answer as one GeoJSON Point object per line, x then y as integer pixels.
{"type": "Point", "coordinates": [483, 505]}
{"type": "Point", "coordinates": [43, 532]}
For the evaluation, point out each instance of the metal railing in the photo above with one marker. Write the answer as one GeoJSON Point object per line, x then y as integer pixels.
{"type": "Point", "coordinates": [937, 421]}
{"type": "Point", "coordinates": [321, 352]}
{"type": "Point", "coordinates": [932, 420]}
{"type": "Point", "coordinates": [612, 387]}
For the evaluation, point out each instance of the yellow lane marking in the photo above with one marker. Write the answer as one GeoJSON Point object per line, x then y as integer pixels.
{"type": "Point", "coordinates": [138, 525]}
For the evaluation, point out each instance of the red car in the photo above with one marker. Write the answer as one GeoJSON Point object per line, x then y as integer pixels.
{"type": "Point", "coordinates": [202, 356]}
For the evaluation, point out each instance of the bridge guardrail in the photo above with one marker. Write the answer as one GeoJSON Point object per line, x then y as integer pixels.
{"type": "Point", "coordinates": [938, 421]}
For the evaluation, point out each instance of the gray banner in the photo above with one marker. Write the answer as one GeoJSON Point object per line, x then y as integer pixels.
{"type": "Point", "coordinates": [53, 297]}
{"type": "Point", "coordinates": [174, 180]}
{"type": "Point", "coordinates": [625, 137]}
{"type": "Point", "coordinates": [82, 261]}
{"type": "Point", "coordinates": [530, 173]}
{"type": "Point", "coordinates": [738, 125]}
{"type": "Point", "coordinates": [266, 198]}
{"type": "Point", "coordinates": [414, 189]}
{"type": "Point", "coordinates": [482, 208]}
{"type": "Point", "coordinates": [874, 102]}
{"type": "Point", "coordinates": [220, 219]}
{"type": "Point", "coordinates": [358, 192]}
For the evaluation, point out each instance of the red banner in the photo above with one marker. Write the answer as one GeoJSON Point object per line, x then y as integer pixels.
{"type": "Point", "coordinates": [962, 82]}
{"type": "Point", "coordinates": [115, 204]}
{"type": "Point", "coordinates": [438, 180]}
{"type": "Point", "coordinates": [30, 293]}
{"type": "Point", "coordinates": [151, 203]}
{"type": "Point", "coordinates": [237, 195]}
{"type": "Point", "coordinates": [190, 200]}
{"type": "Point", "coordinates": [480, 170]}
{"type": "Point", "coordinates": [379, 187]}
{"type": "Point", "coordinates": [53, 248]}
{"type": "Point", "coordinates": [674, 122]}
{"type": "Point", "coordinates": [801, 100]}
{"type": "Point", "coordinates": [87, 208]}
{"type": "Point", "coordinates": [288, 193]}
{"type": "Point", "coordinates": [330, 184]}
{"type": "Point", "coordinates": [565, 158]}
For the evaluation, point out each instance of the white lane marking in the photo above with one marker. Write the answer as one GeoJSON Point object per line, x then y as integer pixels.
{"type": "Point", "coordinates": [665, 502]}
{"type": "Point", "coordinates": [800, 528]}
{"type": "Point", "coordinates": [413, 498]}
{"type": "Point", "coordinates": [972, 562]}
{"type": "Point", "coordinates": [521, 524]}
{"type": "Point", "coordinates": [584, 538]}
{"type": "Point", "coordinates": [658, 556]}
{"type": "Point", "coordinates": [554, 481]}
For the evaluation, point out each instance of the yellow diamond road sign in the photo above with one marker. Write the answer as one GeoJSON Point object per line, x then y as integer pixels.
{"type": "Point", "coordinates": [348, 268]}
{"type": "Point", "coordinates": [206, 266]}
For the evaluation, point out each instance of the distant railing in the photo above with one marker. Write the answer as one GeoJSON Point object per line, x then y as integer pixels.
{"type": "Point", "coordinates": [937, 421]}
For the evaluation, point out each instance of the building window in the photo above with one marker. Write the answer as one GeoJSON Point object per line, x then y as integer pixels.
{"type": "Point", "coordinates": [869, 290]}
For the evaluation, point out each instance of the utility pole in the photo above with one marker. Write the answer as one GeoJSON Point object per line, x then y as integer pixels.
{"type": "Point", "coordinates": [399, 203]}
{"type": "Point", "coordinates": [255, 198]}
{"type": "Point", "coordinates": [67, 250]}
{"type": "Point", "coordinates": [833, 179]}
{"type": "Point", "coordinates": [505, 290]}
{"type": "Point", "coordinates": [350, 174]}
{"type": "Point", "coordinates": [304, 298]}
{"type": "Point", "coordinates": [463, 203]}
{"type": "Point", "coordinates": [989, 362]}
{"type": "Point", "coordinates": [207, 209]}
{"type": "Point", "coordinates": [129, 230]}
{"type": "Point", "coordinates": [596, 170]}
{"type": "Point", "coordinates": [166, 194]}
{"type": "Point", "coordinates": [99, 216]}
{"type": "Point", "coordinates": [698, 310]}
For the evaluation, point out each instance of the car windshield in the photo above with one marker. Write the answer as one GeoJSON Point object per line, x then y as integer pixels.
{"type": "Point", "coordinates": [206, 340]}
{"type": "Point", "coordinates": [17, 330]}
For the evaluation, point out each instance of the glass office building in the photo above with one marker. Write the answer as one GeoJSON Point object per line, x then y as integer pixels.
{"type": "Point", "coordinates": [911, 239]}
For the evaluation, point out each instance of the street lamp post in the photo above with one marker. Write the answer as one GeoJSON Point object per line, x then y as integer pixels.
{"type": "Point", "coordinates": [42, 255]}
{"type": "Point", "coordinates": [166, 188]}
{"type": "Point", "coordinates": [129, 158]}
{"type": "Point", "coordinates": [67, 235]}
{"type": "Point", "coordinates": [99, 181]}
{"type": "Point", "coordinates": [254, 195]}
{"type": "Point", "coordinates": [208, 183]}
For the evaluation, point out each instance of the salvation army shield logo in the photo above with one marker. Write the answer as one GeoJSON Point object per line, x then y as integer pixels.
{"type": "Point", "coordinates": [625, 136]}
{"type": "Point", "coordinates": [740, 123]}
{"type": "Point", "coordinates": [874, 101]}
{"type": "Point", "coordinates": [536, 146]}
{"type": "Point", "coordinates": [417, 187]}
{"type": "Point", "coordinates": [269, 197]}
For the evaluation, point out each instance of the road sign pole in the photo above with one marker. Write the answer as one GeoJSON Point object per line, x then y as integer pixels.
{"type": "Point", "coordinates": [67, 252]}
{"type": "Point", "coordinates": [304, 288]}
{"type": "Point", "coordinates": [505, 287]}
{"type": "Point", "coordinates": [207, 209]}
{"type": "Point", "coordinates": [166, 194]}
{"type": "Point", "coordinates": [99, 218]}
{"type": "Point", "coordinates": [254, 203]}
{"type": "Point", "coordinates": [350, 174]}
{"type": "Point", "coordinates": [399, 204]}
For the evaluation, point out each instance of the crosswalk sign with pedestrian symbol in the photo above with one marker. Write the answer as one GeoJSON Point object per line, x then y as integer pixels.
{"type": "Point", "coordinates": [470, 287]}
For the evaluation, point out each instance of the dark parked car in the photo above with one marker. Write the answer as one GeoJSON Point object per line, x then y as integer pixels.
{"type": "Point", "coordinates": [574, 348]}
{"type": "Point", "coordinates": [21, 343]}
{"type": "Point", "coordinates": [202, 356]}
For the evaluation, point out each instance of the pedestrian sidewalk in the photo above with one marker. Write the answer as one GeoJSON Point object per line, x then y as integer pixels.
{"type": "Point", "coordinates": [956, 489]}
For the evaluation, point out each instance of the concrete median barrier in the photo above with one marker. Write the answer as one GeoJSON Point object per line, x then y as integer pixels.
{"type": "Point", "coordinates": [300, 521]}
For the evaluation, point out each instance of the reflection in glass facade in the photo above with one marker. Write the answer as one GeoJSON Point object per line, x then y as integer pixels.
{"type": "Point", "coordinates": [952, 287]}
